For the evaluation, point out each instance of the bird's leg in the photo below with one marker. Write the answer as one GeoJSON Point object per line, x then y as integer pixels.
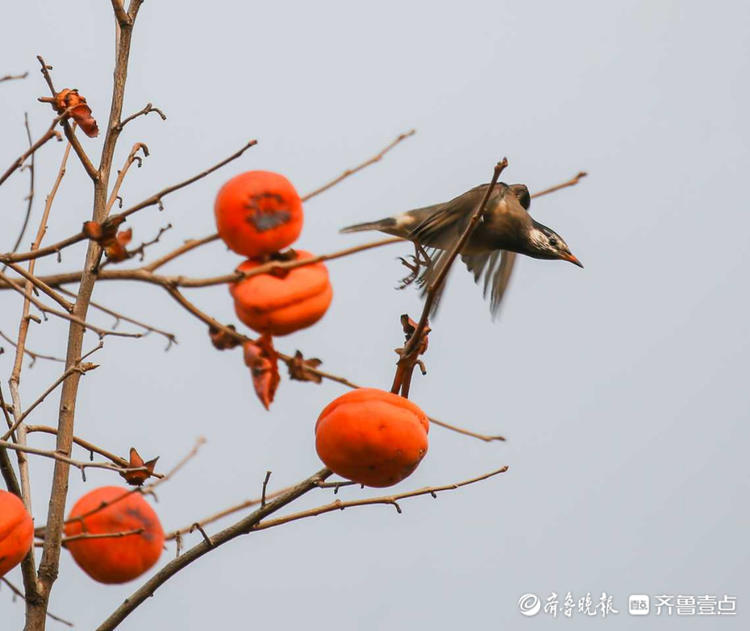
{"type": "Point", "coordinates": [414, 264]}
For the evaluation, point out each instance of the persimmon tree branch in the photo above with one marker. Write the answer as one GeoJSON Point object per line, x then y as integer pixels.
{"type": "Point", "coordinates": [69, 131]}
{"type": "Point", "coordinates": [146, 110]}
{"type": "Point", "coordinates": [242, 527]}
{"type": "Point", "coordinates": [30, 196]}
{"type": "Point", "coordinates": [349, 172]}
{"type": "Point", "coordinates": [48, 567]}
{"type": "Point", "coordinates": [153, 200]}
{"type": "Point", "coordinates": [14, 77]}
{"type": "Point", "coordinates": [48, 135]}
{"type": "Point", "coordinates": [571, 182]}
{"type": "Point", "coordinates": [339, 505]}
{"type": "Point", "coordinates": [61, 457]}
{"type": "Point", "coordinates": [20, 594]}
{"type": "Point", "coordinates": [88, 446]}
{"type": "Point", "coordinates": [34, 356]}
{"type": "Point", "coordinates": [171, 337]}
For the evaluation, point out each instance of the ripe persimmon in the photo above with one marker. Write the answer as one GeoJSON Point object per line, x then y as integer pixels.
{"type": "Point", "coordinates": [121, 558]}
{"type": "Point", "coordinates": [372, 436]}
{"type": "Point", "coordinates": [258, 213]}
{"type": "Point", "coordinates": [16, 531]}
{"type": "Point", "coordinates": [280, 303]}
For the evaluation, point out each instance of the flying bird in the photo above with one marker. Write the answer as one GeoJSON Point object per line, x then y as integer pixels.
{"type": "Point", "coordinates": [505, 228]}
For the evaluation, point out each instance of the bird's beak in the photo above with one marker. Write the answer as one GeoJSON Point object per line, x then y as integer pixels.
{"type": "Point", "coordinates": [569, 257]}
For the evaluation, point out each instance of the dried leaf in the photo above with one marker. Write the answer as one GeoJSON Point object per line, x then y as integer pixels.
{"type": "Point", "coordinates": [410, 326]}
{"type": "Point", "coordinates": [221, 339]}
{"type": "Point", "coordinates": [262, 359]}
{"type": "Point", "coordinates": [299, 368]}
{"type": "Point", "coordinates": [106, 235]}
{"type": "Point", "coordinates": [78, 109]}
{"type": "Point", "coordinates": [137, 478]}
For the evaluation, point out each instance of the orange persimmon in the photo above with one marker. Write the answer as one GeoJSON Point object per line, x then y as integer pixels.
{"type": "Point", "coordinates": [258, 213]}
{"type": "Point", "coordinates": [372, 436]}
{"type": "Point", "coordinates": [121, 558]}
{"type": "Point", "coordinates": [283, 302]}
{"type": "Point", "coordinates": [16, 531]}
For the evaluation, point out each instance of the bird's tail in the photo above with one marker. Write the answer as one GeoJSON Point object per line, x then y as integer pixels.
{"type": "Point", "coordinates": [385, 225]}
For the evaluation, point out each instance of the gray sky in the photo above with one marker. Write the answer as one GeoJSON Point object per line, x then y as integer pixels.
{"type": "Point", "coordinates": [622, 388]}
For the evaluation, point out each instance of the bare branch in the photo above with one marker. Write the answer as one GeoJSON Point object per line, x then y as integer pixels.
{"type": "Point", "coordinates": [185, 247]}
{"type": "Point", "coordinates": [359, 167]}
{"type": "Point", "coordinates": [132, 157]}
{"type": "Point", "coordinates": [34, 356]}
{"type": "Point", "coordinates": [156, 198]}
{"type": "Point", "coordinates": [14, 77]}
{"type": "Point", "coordinates": [66, 316]}
{"type": "Point", "coordinates": [385, 499]}
{"type": "Point", "coordinates": [171, 338]}
{"type": "Point", "coordinates": [244, 526]}
{"type": "Point", "coordinates": [146, 110]}
{"type": "Point", "coordinates": [56, 455]}
{"type": "Point", "coordinates": [48, 135]}
{"type": "Point", "coordinates": [571, 182]}
{"type": "Point", "coordinates": [30, 196]}
{"type": "Point", "coordinates": [20, 594]}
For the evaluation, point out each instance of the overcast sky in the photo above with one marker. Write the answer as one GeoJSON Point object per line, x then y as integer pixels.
{"type": "Point", "coordinates": [622, 388]}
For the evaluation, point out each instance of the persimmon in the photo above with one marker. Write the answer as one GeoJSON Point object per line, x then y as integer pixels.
{"type": "Point", "coordinates": [280, 303]}
{"type": "Point", "coordinates": [120, 558]}
{"type": "Point", "coordinates": [372, 436]}
{"type": "Point", "coordinates": [258, 213]}
{"type": "Point", "coordinates": [16, 531]}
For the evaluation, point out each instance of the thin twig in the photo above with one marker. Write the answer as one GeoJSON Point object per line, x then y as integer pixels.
{"type": "Point", "coordinates": [153, 200]}
{"type": "Point", "coordinates": [30, 196]}
{"type": "Point", "coordinates": [48, 135]}
{"type": "Point", "coordinates": [242, 527]}
{"type": "Point", "coordinates": [67, 316]}
{"type": "Point", "coordinates": [20, 594]}
{"type": "Point", "coordinates": [265, 485]}
{"type": "Point", "coordinates": [175, 534]}
{"type": "Point", "coordinates": [146, 110]}
{"type": "Point", "coordinates": [384, 499]}
{"type": "Point", "coordinates": [132, 157]}
{"type": "Point", "coordinates": [34, 356]}
{"type": "Point", "coordinates": [81, 368]}
{"type": "Point", "coordinates": [81, 466]}
{"type": "Point", "coordinates": [571, 182]}
{"type": "Point", "coordinates": [171, 338]}
{"type": "Point", "coordinates": [13, 77]}
{"type": "Point", "coordinates": [359, 167]}
{"type": "Point", "coordinates": [185, 247]}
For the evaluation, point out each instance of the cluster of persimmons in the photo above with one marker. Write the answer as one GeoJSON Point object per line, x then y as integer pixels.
{"type": "Point", "coordinates": [369, 436]}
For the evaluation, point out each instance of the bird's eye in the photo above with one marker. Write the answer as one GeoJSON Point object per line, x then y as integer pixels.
{"type": "Point", "coordinates": [553, 241]}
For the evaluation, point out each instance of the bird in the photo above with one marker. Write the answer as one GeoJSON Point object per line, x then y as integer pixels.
{"type": "Point", "coordinates": [505, 229]}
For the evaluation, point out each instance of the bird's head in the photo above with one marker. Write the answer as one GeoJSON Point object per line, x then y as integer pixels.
{"type": "Point", "coordinates": [547, 244]}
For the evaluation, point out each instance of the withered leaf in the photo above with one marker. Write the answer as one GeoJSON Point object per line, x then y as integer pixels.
{"type": "Point", "coordinates": [299, 368]}
{"type": "Point", "coordinates": [410, 326]}
{"type": "Point", "coordinates": [78, 109]}
{"type": "Point", "coordinates": [137, 478]}
{"type": "Point", "coordinates": [221, 339]}
{"type": "Point", "coordinates": [262, 359]}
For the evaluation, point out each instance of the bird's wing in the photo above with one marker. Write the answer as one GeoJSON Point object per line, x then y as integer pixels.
{"type": "Point", "coordinates": [496, 274]}
{"type": "Point", "coordinates": [446, 222]}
